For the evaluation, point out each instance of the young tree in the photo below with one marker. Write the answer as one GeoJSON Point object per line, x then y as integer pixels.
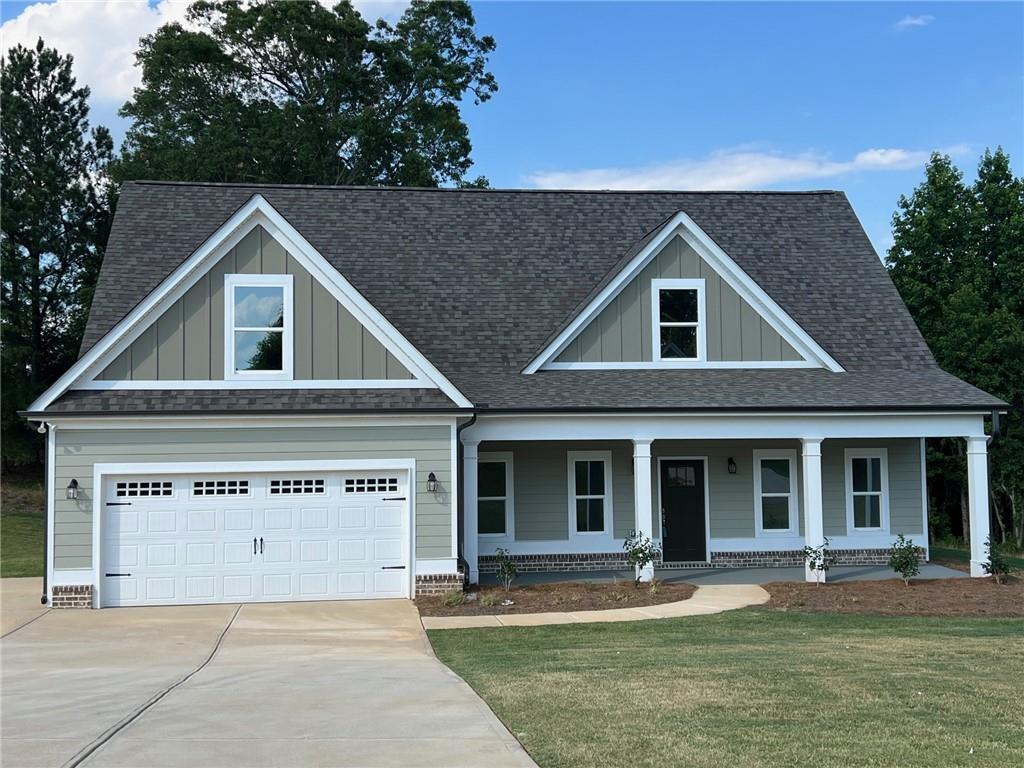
{"type": "Point", "coordinates": [299, 93]}
{"type": "Point", "coordinates": [56, 213]}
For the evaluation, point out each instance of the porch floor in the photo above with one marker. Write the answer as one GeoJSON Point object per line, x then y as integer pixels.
{"type": "Point", "coordinates": [713, 576]}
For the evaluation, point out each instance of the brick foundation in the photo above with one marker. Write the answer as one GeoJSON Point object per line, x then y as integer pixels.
{"type": "Point", "coordinates": [438, 583]}
{"type": "Point", "coordinates": [794, 558]}
{"type": "Point", "coordinates": [72, 596]}
{"type": "Point", "coordinates": [590, 561]}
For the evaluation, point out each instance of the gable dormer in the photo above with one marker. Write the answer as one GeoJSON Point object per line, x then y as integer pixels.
{"type": "Point", "coordinates": [681, 302]}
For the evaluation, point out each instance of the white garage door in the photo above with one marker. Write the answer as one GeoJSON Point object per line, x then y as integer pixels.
{"type": "Point", "coordinates": [173, 539]}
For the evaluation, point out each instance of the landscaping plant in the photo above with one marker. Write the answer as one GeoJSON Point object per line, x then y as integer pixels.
{"type": "Point", "coordinates": [454, 598]}
{"type": "Point", "coordinates": [819, 559]}
{"type": "Point", "coordinates": [640, 552]}
{"type": "Point", "coordinates": [905, 558]}
{"type": "Point", "coordinates": [507, 570]}
{"type": "Point", "coordinates": [997, 566]}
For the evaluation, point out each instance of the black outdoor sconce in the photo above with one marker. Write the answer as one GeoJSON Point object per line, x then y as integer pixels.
{"type": "Point", "coordinates": [432, 482]}
{"type": "Point", "coordinates": [732, 466]}
{"type": "Point", "coordinates": [72, 491]}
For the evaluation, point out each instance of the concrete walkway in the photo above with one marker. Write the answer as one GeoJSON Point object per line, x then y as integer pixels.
{"type": "Point", "coordinates": [706, 600]}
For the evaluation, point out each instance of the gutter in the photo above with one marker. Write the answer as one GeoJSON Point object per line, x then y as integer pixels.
{"type": "Point", "coordinates": [462, 484]}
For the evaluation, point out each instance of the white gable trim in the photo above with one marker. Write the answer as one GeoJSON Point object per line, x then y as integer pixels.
{"type": "Point", "coordinates": [257, 211]}
{"type": "Point", "coordinates": [814, 355]}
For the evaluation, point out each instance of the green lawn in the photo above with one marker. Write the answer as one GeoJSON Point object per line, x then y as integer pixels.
{"type": "Point", "coordinates": [754, 688]}
{"type": "Point", "coordinates": [964, 556]}
{"type": "Point", "coordinates": [21, 526]}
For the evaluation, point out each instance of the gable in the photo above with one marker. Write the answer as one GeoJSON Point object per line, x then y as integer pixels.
{"type": "Point", "coordinates": [624, 330]}
{"type": "Point", "coordinates": [186, 342]}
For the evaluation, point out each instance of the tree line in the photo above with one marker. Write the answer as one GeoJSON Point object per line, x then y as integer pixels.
{"type": "Point", "coordinates": [299, 93]}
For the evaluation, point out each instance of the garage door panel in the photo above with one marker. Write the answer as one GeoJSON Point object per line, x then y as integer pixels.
{"type": "Point", "coordinates": [239, 553]}
{"type": "Point", "coordinates": [240, 587]}
{"type": "Point", "coordinates": [160, 555]}
{"type": "Point", "coordinates": [204, 553]}
{"type": "Point", "coordinates": [277, 520]}
{"type": "Point", "coordinates": [277, 552]}
{"type": "Point", "coordinates": [314, 518]}
{"type": "Point", "coordinates": [158, 521]}
{"type": "Point", "coordinates": [314, 551]}
{"type": "Point", "coordinates": [314, 584]}
{"type": "Point", "coordinates": [352, 550]}
{"type": "Point", "coordinates": [352, 517]}
{"type": "Point", "coordinates": [201, 520]}
{"type": "Point", "coordinates": [238, 520]}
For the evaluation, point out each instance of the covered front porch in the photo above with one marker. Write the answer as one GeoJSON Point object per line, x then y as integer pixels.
{"type": "Point", "coordinates": [715, 493]}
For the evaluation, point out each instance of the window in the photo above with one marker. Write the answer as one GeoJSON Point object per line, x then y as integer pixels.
{"type": "Point", "coordinates": [258, 326]}
{"type": "Point", "coordinates": [371, 485]}
{"type": "Point", "coordinates": [867, 489]}
{"type": "Point", "coordinates": [220, 488]}
{"type": "Point", "coordinates": [775, 496]}
{"type": "Point", "coordinates": [289, 487]}
{"type": "Point", "coordinates": [134, 489]}
{"type": "Point", "coordinates": [590, 492]}
{"type": "Point", "coordinates": [677, 307]}
{"type": "Point", "coordinates": [494, 494]}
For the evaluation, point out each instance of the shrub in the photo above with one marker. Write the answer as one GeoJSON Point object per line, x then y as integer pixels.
{"type": "Point", "coordinates": [905, 558]}
{"type": "Point", "coordinates": [488, 599]}
{"type": "Point", "coordinates": [997, 566]}
{"type": "Point", "coordinates": [655, 586]}
{"type": "Point", "coordinates": [507, 570]}
{"type": "Point", "coordinates": [454, 598]}
{"type": "Point", "coordinates": [640, 552]}
{"type": "Point", "coordinates": [819, 559]}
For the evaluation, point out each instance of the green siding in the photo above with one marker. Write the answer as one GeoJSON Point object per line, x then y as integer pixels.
{"type": "Point", "coordinates": [187, 341]}
{"type": "Point", "coordinates": [78, 450]}
{"type": "Point", "coordinates": [622, 330]}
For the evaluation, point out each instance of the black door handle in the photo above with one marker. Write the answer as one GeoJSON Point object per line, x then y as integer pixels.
{"type": "Point", "coordinates": [254, 545]}
{"type": "Point", "coordinates": [261, 545]}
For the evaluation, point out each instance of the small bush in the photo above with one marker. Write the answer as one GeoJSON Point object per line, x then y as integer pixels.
{"type": "Point", "coordinates": [488, 599]}
{"type": "Point", "coordinates": [640, 552]}
{"type": "Point", "coordinates": [819, 559]}
{"type": "Point", "coordinates": [905, 558]}
{"type": "Point", "coordinates": [997, 566]}
{"type": "Point", "coordinates": [655, 586]}
{"type": "Point", "coordinates": [454, 598]}
{"type": "Point", "coordinates": [507, 570]}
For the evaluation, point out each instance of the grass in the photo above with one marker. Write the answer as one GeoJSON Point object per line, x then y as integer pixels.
{"type": "Point", "coordinates": [754, 688]}
{"type": "Point", "coordinates": [21, 527]}
{"type": "Point", "coordinates": [958, 555]}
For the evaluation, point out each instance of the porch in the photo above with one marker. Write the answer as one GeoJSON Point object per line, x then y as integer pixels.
{"type": "Point", "coordinates": [560, 499]}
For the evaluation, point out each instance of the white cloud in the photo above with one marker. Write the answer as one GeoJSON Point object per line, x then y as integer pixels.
{"type": "Point", "coordinates": [907, 22]}
{"type": "Point", "coordinates": [103, 35]}
{"type": "Point", "coordinates": [734, 169]}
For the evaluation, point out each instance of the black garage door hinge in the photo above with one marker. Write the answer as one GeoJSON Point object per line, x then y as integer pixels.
{"type": "Point", "coordinates": [119, 503]}
{"type": "Point", "coordinates": [392, 567]}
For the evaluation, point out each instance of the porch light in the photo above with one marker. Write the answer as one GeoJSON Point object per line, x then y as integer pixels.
{"type": "Point", "coordinates": [72, 491]}
{"type": "Point", "coordinates": [432, 482]}
{"type": "Point", "coordinates": [732, 466]}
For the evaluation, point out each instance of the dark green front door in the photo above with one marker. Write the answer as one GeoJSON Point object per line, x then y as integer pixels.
{"type": "Point", "coordinates": [683, 536]}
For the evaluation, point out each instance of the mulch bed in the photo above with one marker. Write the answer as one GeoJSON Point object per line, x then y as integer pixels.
{"type": "Point", "coordinates": [546, 598]}
{"type": "Point", "coordinates": [924, 597]}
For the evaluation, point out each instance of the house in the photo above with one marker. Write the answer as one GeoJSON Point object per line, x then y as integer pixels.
{"type": "Point", "coordinates": [291, 393]}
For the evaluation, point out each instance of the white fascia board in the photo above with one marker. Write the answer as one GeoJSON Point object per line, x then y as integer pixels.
{"type": "Point", "coordinates": [249, 421]}
{"type": "Point", "coordinates": [232, 384]}
{"type": "Point", "coordinates": [727, 269]}
{"type": "Point", "coordinates": [662, 365]}
{"type": "Point", "coordinates": [256, 211]}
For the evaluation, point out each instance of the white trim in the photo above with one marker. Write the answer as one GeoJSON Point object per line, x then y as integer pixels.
{"type": "Point", "coordinates": [456, 474]}
{"type": "Point", "coordinates": [882, 454]}
{"type": "Point", "coordinates": [864, 540]}
{"type": "Point", "coordinates": [759, 455]}
{"type": "Point", "coordinates": [606, 458]}
{"type": "Point", "coordinates": [662, 364]}
{"type": "Point", "coordinates": [285, 283]}
{"type": "Point", "coordinates": [436, 565]}
{"type": "Point", "coordinates": [257, 211]}
{"type": "Point", "coordinates": [102, 470]}
{"type": "Point", "coordinates": [924, 502]}
{"type": "Point", "coordinates": [69, 577]}
{"type": "Point", "coordinates": [727, 269]}
{"type": "Point", "coordinates": [247, 421]}
{"type": "Point", "coordinates": [506, 458]}
{"type": "Point", "coordinates": [51, 501]}
{"type": "Point", "coordinates": [707, 501]}
{"type": "Point", "coordinates": [177, 385]}
{"type": "Point", "coordinates": [664, 284]}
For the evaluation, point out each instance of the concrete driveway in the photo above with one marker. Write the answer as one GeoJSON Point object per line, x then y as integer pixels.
{"type": "Point", "coordinates": [290, 684]}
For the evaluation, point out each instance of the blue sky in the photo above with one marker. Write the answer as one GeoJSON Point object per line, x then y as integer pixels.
{"type": "Point", "coordinates": [849, 96]}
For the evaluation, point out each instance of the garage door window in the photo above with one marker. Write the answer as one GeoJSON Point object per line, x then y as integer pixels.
{"type": "Point", "coordinates": [134, 489]}
{"type": "Point", "coordinates": [220, 488]}
{"type": "Point", "coordinates": [308, 486]}
{"type": "Point", "coordinates": [371, 484]}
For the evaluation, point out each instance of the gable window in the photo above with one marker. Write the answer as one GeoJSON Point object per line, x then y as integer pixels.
{"type": "Point", "coordinates": [258, 326]}
{"type": "Point", "coordinates": [867, 489]}
{"type": "Point", "coordinates": [494, 494]}
{"type": "Point", "coordinates": [677, 309]}
{"type": "Point", "coordinates": [590, 491]}
{"type": "Point", "coordinates": [775, 499]}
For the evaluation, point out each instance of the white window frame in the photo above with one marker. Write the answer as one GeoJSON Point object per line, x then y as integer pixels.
{"type": "Point", "coordinates": [794, 520]}
{"type": "Point", "coordinates": [661, 284]}
{"type": "Point", "coordinates": [867, 453]}
{"type": "Point", "coordinates": [500, 457]}
{"type": "Point", "coordinates": [233, 281]}
{"type": "Point", "coordinates": [603, 456]}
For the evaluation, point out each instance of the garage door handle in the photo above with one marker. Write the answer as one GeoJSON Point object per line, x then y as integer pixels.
{"type": "Point", "coordinates": [116, 574]}
{"type": "Point", "coordinates": [254, 545]}
{"type": "Point", "coordinates": [261, 545]}
{"type": "Point", "coordinates": [392, 567]}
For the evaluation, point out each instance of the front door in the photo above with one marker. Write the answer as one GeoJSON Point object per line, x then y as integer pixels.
{"type": "Point", "coordinates": [683, 534]}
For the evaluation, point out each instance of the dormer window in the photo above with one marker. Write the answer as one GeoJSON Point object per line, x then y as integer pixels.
{"type": "Point", "coordinates": [678, 314]}
{"type": "Point", "coordinates": [258, 326]}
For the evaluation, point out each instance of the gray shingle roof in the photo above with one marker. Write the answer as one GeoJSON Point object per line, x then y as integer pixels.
{"type": "Point", "coordinates": [479, 280]}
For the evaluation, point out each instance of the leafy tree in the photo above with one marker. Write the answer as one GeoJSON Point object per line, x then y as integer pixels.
{"type": "Point", "coordinates": [958, 262]}
{"type": "Point", "coordinates": [56, 215]}
{"type": "Point", "coordinates": [298, 93]}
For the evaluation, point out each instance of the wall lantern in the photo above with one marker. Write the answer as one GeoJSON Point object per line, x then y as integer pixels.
{"type": "Point", "coordinates": [72, 491]}
{"type": "Point", "coordinates": [432, 482]}
{"type": "Point", "coordinates": [732, 466]}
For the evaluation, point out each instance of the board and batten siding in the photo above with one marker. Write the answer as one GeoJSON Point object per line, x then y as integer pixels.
{"type": "Point", "coordinates": [186, 343]}
{"type": "Point", "coordinates": [622, 331]}
{"type": "Point", "coordinates": [77, 450]}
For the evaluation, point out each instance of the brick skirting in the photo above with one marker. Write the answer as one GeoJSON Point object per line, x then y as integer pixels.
{"type": "Point", "coordinates": [590, 561]}
{"type": "Point", "coordinates": [795, 558]}
{"type": "Point", "coordinates": [72, 596]}
{"type": "Point", "coordinates": [438, 583]}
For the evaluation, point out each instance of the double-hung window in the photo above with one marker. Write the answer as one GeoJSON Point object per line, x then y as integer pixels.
{"type": "Point", "coordinates": [590, 492]}
{"type": "Point", "coordinates": [678, 315]}
{"type": "Point", "coordinates": [258, 326]}
{"type": "Point", "coordinates": [867, 489]}
{"type": "Point", "coordinates": [494, 495]}
{"type": "Point", "coordinates": [775, 492]}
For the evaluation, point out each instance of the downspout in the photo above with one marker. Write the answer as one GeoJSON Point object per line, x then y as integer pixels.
{"type": "Point", "coordinates": [996, 430]}
{"type": "Point", "coordinates": [462, 502]}
{"type": "Point", "coordinates": [46, 513]}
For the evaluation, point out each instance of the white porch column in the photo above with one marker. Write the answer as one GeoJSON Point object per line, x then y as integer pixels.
{"type": "Point", "coordinates": [814, 526]}
{"type": "Point", "coordinates": [642, 504]}
{"type": "Point", "coordinates": [470, 542]}
{"type": "Point", "coordinates": [977, 494]}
